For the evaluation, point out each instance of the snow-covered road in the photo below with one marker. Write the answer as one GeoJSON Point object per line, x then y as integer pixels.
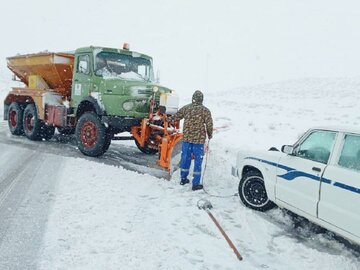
{"type": "Point", "coordinates": [27, 181]}
{"type": "Point", "coordinates": [66, 211]}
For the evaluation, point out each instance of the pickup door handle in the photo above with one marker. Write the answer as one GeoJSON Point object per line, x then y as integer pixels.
{"type": "Point", "coordinates": [316, 169]}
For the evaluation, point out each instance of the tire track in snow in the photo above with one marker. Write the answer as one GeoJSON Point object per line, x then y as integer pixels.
{"type": "Point", "coordinates": [20, 177]}
{"type": "Point", "coordinates": [9, 177]}
{"type": "Point", "coordinates": [119, 155]}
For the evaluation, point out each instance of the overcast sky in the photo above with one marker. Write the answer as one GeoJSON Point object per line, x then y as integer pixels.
{"type": "Point", "coordinates": [208, 45]}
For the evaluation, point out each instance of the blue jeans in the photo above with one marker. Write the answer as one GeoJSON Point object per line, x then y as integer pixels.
{"type": "Point", "coordinates": [189, 149]}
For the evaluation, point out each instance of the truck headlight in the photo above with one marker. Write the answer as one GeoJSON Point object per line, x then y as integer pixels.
{"type": "Point", "coordinates": [155, 89]}
{"type": "Point", "coordinates": [128, 105]}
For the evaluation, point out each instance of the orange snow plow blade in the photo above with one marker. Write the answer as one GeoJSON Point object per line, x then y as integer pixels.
{"type": "Point", "coordinates": [169, 152]}
{"type": "Point", "coordinates": [165, 138]}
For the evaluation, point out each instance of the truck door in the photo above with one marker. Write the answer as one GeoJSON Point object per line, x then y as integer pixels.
{"type": "Point", "coordinates": [298, 180]}
{"type": "Point", "coordinates": [340, 200]}
{"type": "Point", "coordinates": [82, 82]}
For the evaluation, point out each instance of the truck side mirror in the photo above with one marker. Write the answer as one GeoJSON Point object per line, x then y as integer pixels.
{"type": "Point", "coordinates": [287, 149]}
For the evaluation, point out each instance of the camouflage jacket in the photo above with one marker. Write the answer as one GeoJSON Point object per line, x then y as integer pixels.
{"type": "Point", "coordinates": [198, 122]}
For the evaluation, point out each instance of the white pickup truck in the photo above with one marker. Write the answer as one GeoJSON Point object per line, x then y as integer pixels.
{"type": "Point", "coordinates": [318, 178]}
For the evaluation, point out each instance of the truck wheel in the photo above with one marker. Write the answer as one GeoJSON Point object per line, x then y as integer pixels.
{"type": "Point", "coordinates": [15, 119]}
{"type": "Point", "coordinates": [91, 135]}
{"type": "Point", "coordinates": [108, 138]}
{"type": "Point", "coordinates": [146, 149]}
{"type": "Point", "coordinates": [47, 132]}
{"type": "Point", "coordinates": [252, 192]}
{"type": "Point", "coordinates": [31, 123]}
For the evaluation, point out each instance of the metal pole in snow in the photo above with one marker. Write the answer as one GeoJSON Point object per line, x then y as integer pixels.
{"type": "Point", "coordinates": [237, 253]}
{"type": "Point", "coordinates": [206, 205]}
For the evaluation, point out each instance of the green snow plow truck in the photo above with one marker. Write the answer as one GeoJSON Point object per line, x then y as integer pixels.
{"type": "Point", "coordinates": [94, 92]}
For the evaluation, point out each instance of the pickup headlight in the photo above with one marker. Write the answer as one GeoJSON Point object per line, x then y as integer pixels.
{"type": "Point", "coordinates": [128, 105]}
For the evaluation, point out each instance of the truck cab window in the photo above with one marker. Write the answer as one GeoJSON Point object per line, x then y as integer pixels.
{"type": "Point", "coordinates": [83, 64]}
{"type": "Point", "coordinates": [350, 154]}
{"type": "Point", "coordinates": [122, 66]}
{"type": "Point", "coordinates": [317, 146]}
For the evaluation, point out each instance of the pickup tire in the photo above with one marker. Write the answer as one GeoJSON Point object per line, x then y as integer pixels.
{"type": "Point", "coordinates": [252, 192]}
{"type": "Point", "coordinates": [15, 119]}
{"type": "Point", "coordinates": [91, 135]}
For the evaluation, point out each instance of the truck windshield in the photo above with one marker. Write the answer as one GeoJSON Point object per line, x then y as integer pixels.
{"type": "Point", "coordinates": [116, 65]}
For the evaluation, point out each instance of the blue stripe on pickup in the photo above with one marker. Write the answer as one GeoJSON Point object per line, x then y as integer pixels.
{"type": "Point", "coordinates": [350, 188]}
{"type": "Point", "coordinates": [295, 174]}
{"type": "Point", "coordinates": [292, 174]}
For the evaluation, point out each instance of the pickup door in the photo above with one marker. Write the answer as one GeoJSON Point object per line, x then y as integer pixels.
{"type": "Point", "coordinates": [299, 175]}
{"type": "Point", "coordinates": [340, 201]}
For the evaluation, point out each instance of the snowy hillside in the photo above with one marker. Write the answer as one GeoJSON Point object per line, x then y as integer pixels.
{"type": "Point", "coordinates": [276, 114]}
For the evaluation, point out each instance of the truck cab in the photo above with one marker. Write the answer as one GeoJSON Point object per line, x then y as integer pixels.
{"type": "Point", "coordinates": [117, 82]}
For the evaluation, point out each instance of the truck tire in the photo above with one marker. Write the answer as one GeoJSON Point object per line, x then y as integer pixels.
{"type": "Point", "coordinates": [146, 149]}
{"type": "Point", "coordinates": [108, 138]}
{"type": "Point", "coordinates": [252, 192]}
{"type": "Point", "coordinates": [15, 119]}
{"type": "Point", "coordinates": [32, 125]}
{"type": "Point", "coordinates": [91, 135]}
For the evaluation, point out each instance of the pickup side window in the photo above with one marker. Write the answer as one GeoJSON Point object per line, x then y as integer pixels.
{"type": "Point", "coordinates": [317, 146]}
{"type": "Point", "coordinates": [83, 64]}
{"type": "Point", "coordinates": [350, 154]}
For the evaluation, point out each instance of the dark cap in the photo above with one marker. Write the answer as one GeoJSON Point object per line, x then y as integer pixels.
{"type": "Point", "coordinates": [197, 97]}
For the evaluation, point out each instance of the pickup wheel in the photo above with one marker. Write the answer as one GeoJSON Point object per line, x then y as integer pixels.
{"type": "Point", "coordinates": [15, 119]}
{"type": "Point", "coordinates": [252, 192]}
{"type": "Point", "coordinates": [91, 135]}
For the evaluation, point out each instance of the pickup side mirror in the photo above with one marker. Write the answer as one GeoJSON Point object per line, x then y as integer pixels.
{"type": "Point", "coordinates": [287, 149]}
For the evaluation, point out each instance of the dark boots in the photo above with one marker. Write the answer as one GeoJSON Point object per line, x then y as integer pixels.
{"type": "Point", "coordinates": [184, 181]}
{"type": "Point", "coordinates": [197, 187]}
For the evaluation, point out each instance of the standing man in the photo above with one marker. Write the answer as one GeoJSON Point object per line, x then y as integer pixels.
{"type": "Point", "coordinates": [198, 123]}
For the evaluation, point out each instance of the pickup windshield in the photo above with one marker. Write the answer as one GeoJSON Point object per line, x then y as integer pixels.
{"type": "Point", "coordinates": [116, 65]}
